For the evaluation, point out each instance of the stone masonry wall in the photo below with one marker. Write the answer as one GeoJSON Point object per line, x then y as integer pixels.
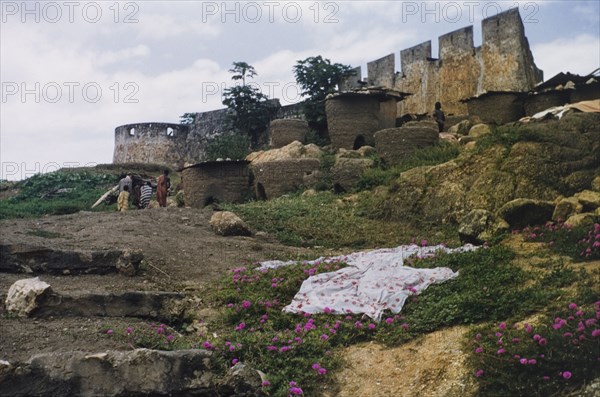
{"type": "Point", "coordinates": [175, 145]}
{"type": "Point", "coordinates": [502, 63]}
{"type": "Point", "coordinates": [161, 143]}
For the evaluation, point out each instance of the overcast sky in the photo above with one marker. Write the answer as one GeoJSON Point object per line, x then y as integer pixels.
{"type": "Point", "coordinates": [72, 71]}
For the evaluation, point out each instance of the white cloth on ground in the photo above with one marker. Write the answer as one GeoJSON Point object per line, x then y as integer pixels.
{"type": "Point", "coordinates": [372, 282]}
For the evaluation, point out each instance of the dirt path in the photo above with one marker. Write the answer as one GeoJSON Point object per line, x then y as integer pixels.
{"type": "Point", "coordinates": [181, 254]}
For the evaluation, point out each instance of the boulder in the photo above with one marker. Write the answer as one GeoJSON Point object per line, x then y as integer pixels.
{"type": "Point", "coordinates": [24, 296]}
{"type": "Point", "coordinates": [227, 223]}
{"type": "Point", "coordinates": [585, 219]}
{"type": "Point", "coordinates": [240, 380]}
{"type": "Point", "coordinates": [463, 140]}
{"type": "Point", "coordinates": [285, 131]}
{"type": "Point", "coordinates": [447, 137]}
{"type": "Point", "coordinates": [589, 199]}
{"type": "Point", "coordinates": [596, 184]}
{"type": "Point", "coordinates": [523, 212]}
{"type": "Point", "coordinates": [565, 208]}
{"type": "Point", "coordinates": [461, 128]}
{"type": "Point", "coordinates": [478, 130]}
{"type": "Point", "coordinates": [478, 226]}
{"type": "Point", "coordinates": [346, 172]}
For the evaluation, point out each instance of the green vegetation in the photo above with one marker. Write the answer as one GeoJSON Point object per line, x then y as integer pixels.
{"type": "Point", "coordinates": [57, 193]}
{"type": "Point", "coordinates": [326, 220]}
{"type": "Point", "coordinates": [249, 109]}
{"type": "Point", "coordinates": [233, 146]}
{"type": "Point", "coordinates": [318, 77]}
{"type": "Point", "coordinates": [579, 243]}
{"type": "Point", "coordinates": [424, 157]}
{"type": "Point", "coordinates": [302, 349]}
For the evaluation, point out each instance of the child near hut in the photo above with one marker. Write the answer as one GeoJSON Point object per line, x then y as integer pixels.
{"type": "Point", "coordinates": [123, 200]}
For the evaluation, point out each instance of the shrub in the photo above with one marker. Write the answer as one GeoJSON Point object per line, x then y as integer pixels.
{"type": "Point", "coordinates": [579, 243]}
{"type": "Point", "coordinates": [552, 358]}
{"type": "Point", "coordinates": [233, 146]}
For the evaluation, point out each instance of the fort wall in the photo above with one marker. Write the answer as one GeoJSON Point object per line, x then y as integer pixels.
{"type": "Point", "coordinates": [178, 144]}
{"type": "Point", "coordinates": [503, 62]}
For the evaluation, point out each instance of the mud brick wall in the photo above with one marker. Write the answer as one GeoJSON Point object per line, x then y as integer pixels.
{"type": "Point", "coordinates": [216, 181]}
{"type": "Point", "coordinates": [275, 178]}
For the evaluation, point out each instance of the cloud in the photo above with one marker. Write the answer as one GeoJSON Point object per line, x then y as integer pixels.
{"type": "Point", "coordinates": [579, 55]}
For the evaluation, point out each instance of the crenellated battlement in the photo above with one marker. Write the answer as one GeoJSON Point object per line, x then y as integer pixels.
{"type": "Point", "coordinates": [503, 63]}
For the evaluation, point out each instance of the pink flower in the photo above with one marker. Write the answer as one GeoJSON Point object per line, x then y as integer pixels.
{"type": "Point", "coordinates": [479, 373]}
{"type": "Point", "coordinates": [572, 306]}
{"type": "Point", "coordinates": [501, 351]}
{"type": "Point", "coordinates": [566, 375]}
{"type": "Point", "coordinates": [595, 332]}
{"type": "Point", "coordinates": [109, 332]}
{"type": "Point", "coordinates": [502, 325]}
{"type": "Point", "coordinates": [543, 342]}
{"type": "Point", "coordinates": [536, 337]}
{"type": "Point", "coordinates": [389, 320]}
{"type": "Point", "coordinates": [528, 328]}
{"type": "Point", "coordinates": [129, 330]}
{"type": "Point", "coordinates": [567, 335]}
{"type": "Point", "coordinates": [234, 361]}
{"type": "Point", "coordinates": [358, 325]}
{"type": "Point", "coordinates": [532, 361]}
{"type": "Point", "coordinates": [266, 383]}
{"type": "Point", "coordinates": [404, 326]}
{"type": "Point", "coordinates": [523, 361]}
{"type": "Point", "coordinates": [324, 337]}
{"type": "Point", "coordinates": [371, 326]}
{"type": "Point", "coordinates": [246, 304]}
{"type": "Point", "coordinates": [479, 350]}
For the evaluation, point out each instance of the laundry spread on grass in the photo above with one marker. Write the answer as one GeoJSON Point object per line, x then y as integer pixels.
{"type": "Point", "coordinates": [373, 281]}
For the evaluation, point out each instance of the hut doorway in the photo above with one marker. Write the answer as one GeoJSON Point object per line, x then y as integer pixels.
{"type": "Point", "coordinates": [359, 142]}
{"type": "Point", "coordinates": [260, 191]}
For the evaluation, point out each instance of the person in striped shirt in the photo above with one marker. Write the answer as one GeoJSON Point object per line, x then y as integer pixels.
{"type": "Point", "coordinates": [145, 195]}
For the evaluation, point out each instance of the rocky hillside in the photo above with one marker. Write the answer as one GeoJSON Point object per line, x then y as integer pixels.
{"type": "Point", "coordinates": [540, 161]}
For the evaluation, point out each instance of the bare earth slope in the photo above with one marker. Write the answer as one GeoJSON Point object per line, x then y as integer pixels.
{"type": "Point", "coordinates": [181, 254]}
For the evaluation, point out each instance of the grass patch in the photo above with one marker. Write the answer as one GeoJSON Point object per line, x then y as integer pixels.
{"type": "Point", "coordinates": [329, 221]}
{"type": "Point", "coordinates": [56, 193]}
{"type": "Point", "coordinates": [43, 233]}
{"type": "Point", "coordinates": [438, 154]}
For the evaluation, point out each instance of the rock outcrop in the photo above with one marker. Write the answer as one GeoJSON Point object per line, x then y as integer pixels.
{"type": "Point", "coordinates": [539, 161]}
{"type": "Point", "coordinates": [140, 372]}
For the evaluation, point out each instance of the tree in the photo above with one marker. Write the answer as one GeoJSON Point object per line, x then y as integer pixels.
{"type": "Point", "coordinates": [249, 109]}
{"type": "Point", "coordinates": [242, 70]}
{"type": "Point", "coordinates": [318, 78]}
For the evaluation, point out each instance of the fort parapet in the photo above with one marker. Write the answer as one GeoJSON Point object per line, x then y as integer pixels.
{"type": "Point", "coordinates": [502, 63]}
{"type": "Point", "coordinates": [177, 144]}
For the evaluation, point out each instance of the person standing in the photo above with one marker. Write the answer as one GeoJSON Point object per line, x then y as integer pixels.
{"type": "Point", "coordinates": [162, 188]}
{"type": "Point", "coordinates": [439, 116]}
{"type": "Point", "coordinates": [123, 200]}
{"type": "Point", "coordinates": [145, 195]}
{"type": "Point", "coordinates": [125, 181]}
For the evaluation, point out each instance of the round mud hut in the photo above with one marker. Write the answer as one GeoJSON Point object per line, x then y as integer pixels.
{"type": "Point", "coordinates": [216, 181]}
